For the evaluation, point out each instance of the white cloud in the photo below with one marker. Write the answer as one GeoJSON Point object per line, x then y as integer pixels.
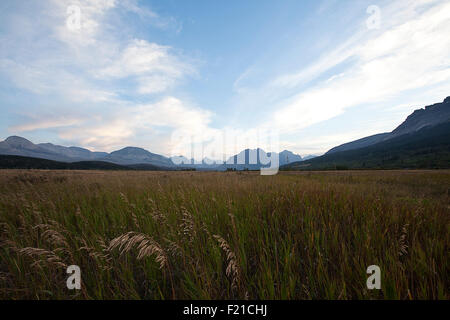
{"type": "Point", "coordinates": [141, 57]}
{"type": "Point", "coordinates": [154, 84]}
{"type": "Point", "coordinates": [42, 78]}
{"type": "Point", "coordinates": [409, 54]}
{"type": "Point", "coordinates": [145, 123]}
{"type": "Point", "coordinates": [172, 112]}
{"type": "Point", "coordinates": [46, 57]}
{"type": "Point", "coordinates": [153, 66]}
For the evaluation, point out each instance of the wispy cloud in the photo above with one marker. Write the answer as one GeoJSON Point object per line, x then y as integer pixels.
{"type": "Point", "coordinates": [411, 53]}
{"type": "Point", "coordinates": [153, 66]}
{"type": "Point", "coordinates": [113, 84]}
{"type": "Point", "coordinates": [36, 123]}
{"type": "Point", "coordinates": [144, 123]}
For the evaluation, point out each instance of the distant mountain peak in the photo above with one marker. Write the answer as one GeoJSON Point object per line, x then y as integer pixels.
{"type": "Point", "coordinates": [135, 155]}
{"type": "Point", "coordinates": [429, 116]}
{"type": "Point", "coordinates": [15, 139]}
{"type": "Point", "coordinates": [18, 142]}
{"type": "Point", "coordinates": [288, 153]}
{"type": "Point", "coordinates": [131, 150]}
{"type": "Point", "coordinates": [286, 157]}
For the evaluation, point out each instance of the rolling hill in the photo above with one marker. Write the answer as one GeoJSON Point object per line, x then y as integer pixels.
{"type": "Point", "coordinates": [19, 162]}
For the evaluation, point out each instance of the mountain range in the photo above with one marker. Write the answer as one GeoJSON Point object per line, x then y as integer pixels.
{"type": "Point", "coordinates": [248, 158]}
{"type": "Point", "coordinates": [421, 141]}
{"type": "Point", "coordinates": [132, 157]}
{"type": "Point", "coordinates": [420, 118]}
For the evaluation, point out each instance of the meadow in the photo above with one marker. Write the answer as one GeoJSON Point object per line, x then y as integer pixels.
{"type": "Point", "coordinates": [224, 235]}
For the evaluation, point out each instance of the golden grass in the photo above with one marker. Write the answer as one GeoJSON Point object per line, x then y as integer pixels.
{"type": "Point", "coordinates": [233, 235]}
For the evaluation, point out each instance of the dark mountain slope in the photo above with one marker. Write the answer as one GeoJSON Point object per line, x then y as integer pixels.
{"type": "Point", "coordinates": [429, 116]}
{"type": "Point", "coordinates": [421, 118]}
{"type": "Point", "coordinates": [73, 152]}
{"type": "Point", "coordinates": [19, 162]}
{"type": "Point", "coordinates": [361, 143]}
{"type": "Point", "coordinates": [427, 148]}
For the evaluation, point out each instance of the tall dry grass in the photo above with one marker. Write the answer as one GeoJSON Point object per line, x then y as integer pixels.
{"type": "Point", "coordinates": [198, 235]}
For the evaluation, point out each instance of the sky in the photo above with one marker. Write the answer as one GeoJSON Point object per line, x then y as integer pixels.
{"type": "Point", "coordinates": [168, 75]}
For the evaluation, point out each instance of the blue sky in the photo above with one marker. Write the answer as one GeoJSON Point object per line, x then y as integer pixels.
{"type": "Point", "coordinates": [141, 73]}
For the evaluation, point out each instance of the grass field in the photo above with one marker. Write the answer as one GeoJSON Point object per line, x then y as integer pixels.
{"type": "Point", "coordinates": [234, 235]}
